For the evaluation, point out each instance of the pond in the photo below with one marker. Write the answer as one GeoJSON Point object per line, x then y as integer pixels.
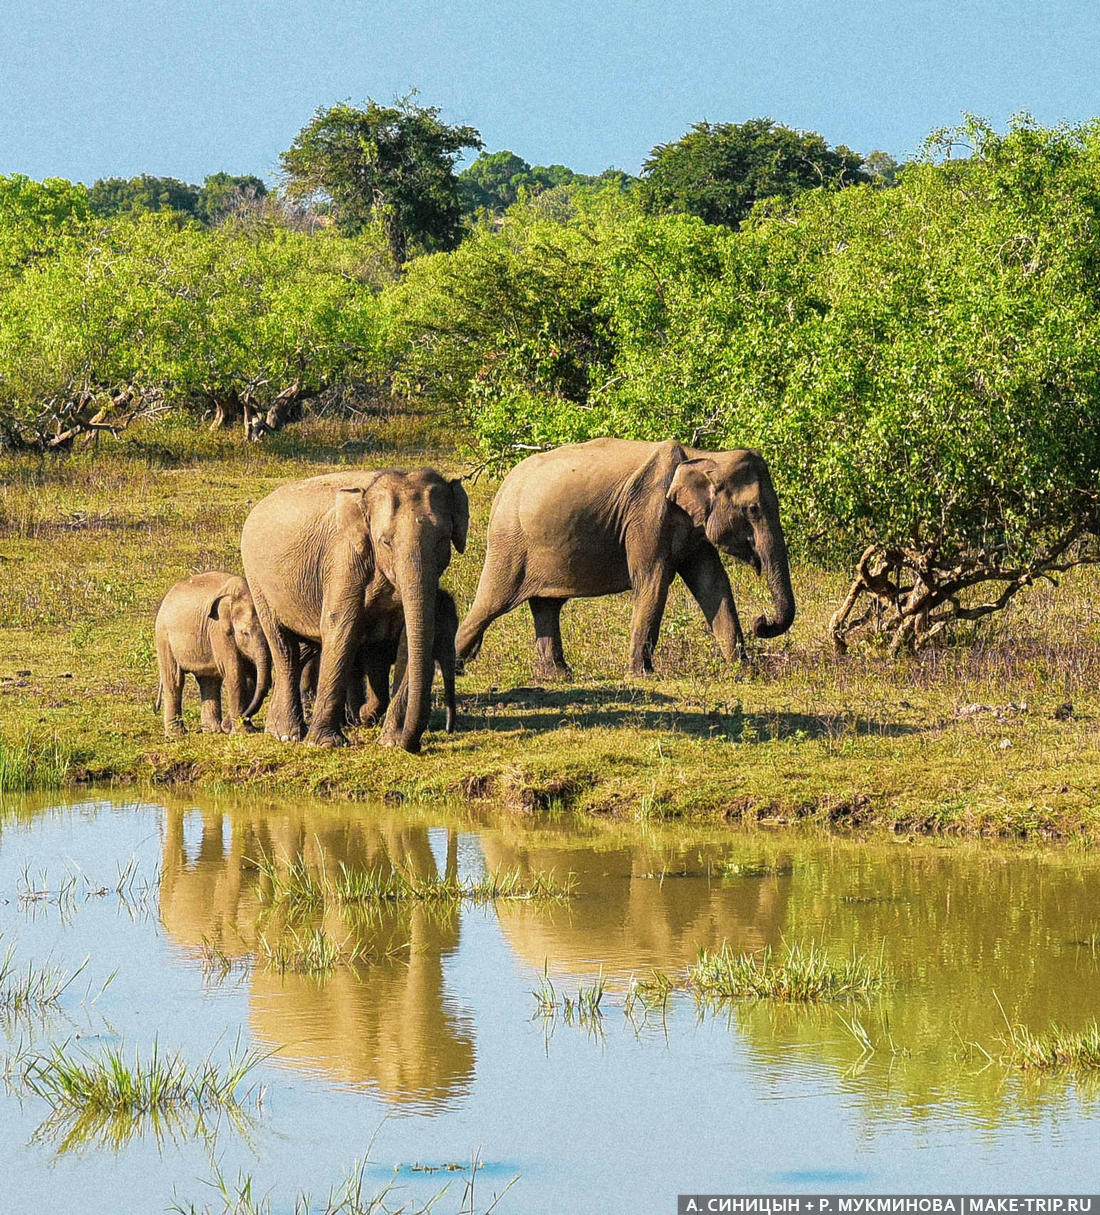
{"type": "Point", "coordinates": [422, 1044]}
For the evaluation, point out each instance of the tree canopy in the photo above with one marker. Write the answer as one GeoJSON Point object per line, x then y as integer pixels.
{"type": "Point", "coordinates": [718, 171]}
{"type": "Point", "coordinates": [388, 164]}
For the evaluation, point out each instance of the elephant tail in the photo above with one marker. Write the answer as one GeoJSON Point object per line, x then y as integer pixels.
{"type": "Point", "coordinates": [160, 696]}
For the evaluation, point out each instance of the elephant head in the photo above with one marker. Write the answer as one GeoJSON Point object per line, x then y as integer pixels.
{"type": "Point", "coordinates": [232, 603]}
{"type": "Point", "coordinates": [415, 520]}
{"type": "Point", "coordinates": [729, 495]}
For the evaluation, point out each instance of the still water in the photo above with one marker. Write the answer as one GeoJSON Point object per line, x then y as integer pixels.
{"type": "Point", "coordinates": [430, 1052]}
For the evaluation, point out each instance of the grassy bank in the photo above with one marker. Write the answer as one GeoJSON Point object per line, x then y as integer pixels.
{"type": "Point", "coordinates": [1001, 736]}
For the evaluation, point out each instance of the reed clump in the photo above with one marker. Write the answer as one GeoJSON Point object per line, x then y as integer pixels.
{"type": "Point", "coordinates": [295, 884]}
{"type": "Point", "coordinates": [79, 1082]}
{"type": "Point", "coordinates": [795, 972]}
{"type": "Point", "coordinates": [1054, 1048]}
{"type": "Point", "coordinates": [30, 989]}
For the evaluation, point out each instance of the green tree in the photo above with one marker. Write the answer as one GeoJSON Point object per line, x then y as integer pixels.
{"type": "Point", "coordinates": [35, 217]}
{"type": "Point", "coordinates": [491, 181]}
{"type": "Point", "coordinates": [718, 171]}
{"type": "Point", "coordinates": [882, 168]}
{"type": "Point", "coordinates": [224, 194]}
{"type": "Point", "coordinates": [118, 195]}
{"type": "Point", "coordinates": [388, 164]}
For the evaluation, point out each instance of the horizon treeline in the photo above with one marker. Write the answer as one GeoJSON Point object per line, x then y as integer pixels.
{"type": "Point", "coordinates": [915, 350]}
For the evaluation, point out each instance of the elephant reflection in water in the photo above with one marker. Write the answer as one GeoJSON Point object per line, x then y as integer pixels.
{"type": "Point", "coordinates": [382, 1023]}
{"type": "Point", "coordinates": [630, 920]}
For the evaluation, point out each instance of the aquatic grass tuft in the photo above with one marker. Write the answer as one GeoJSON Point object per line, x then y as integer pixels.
{"type": "Point", "coordinates": [294, 885]}
{"type": "Point", "coordinates": [107, 1083]}
{"type": "Point", "coordinates": [240, 1197]}
{"type": "Point", "coordinates": [1053, 1048]}
{"type": "Point", "coordinates": [313, 952]}
{"type": "Point", "coordinates": [31, 989]}
{"type": "Point", "coordinates": [796, 972]}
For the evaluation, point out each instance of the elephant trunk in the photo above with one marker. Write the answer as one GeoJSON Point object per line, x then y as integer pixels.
{"type": "Point", "coordinates": [775, 567]}
{"type": "Point", "coordinates": [418, 592]}
{"type": "Point", "coordinates": [263, 682]}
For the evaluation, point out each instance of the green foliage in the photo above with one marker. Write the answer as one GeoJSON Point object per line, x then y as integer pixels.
{"type": "Point", "coordinates": [718, 171]}
{"type": "Point", "coordinates": [36, 217]}
{"type": "Point", "coordinates": [497, 180]}
{"type": "Point", "coordinates": [393, 165]}
{"type": "Point", "coordinates": [509, 326]}
{"type": "Point", "coordinates": [118, 195]}
{"type": "Point", "coordinates": [225, 194]}
{"type": "Point", "coordinates": [170, 312]}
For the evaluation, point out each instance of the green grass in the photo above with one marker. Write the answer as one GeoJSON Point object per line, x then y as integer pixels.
{"type": "Point", "coordinates": [32, 763]}
{"type": "Point", "coordinates": [241, 1196]}
{"type": "Point", "coordinates": [108, 1083]}
{"type": "Point", "coordinates": [313, 953]}
{"type": "Point", "coordinates": [31, 990]}
{"type": "Point", "coordinates": [800, 734]}
{"type": "Point", "coordinates": [796, 972]}
{"type": "Point", "coordinates": [1054, 1048]}
{"type": "Point", "coordinates": [295, 884]}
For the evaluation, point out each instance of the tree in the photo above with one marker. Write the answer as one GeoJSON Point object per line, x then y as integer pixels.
{"type": "Point", "coordinates": [388, 164]}
{"type": "Point", "coordinates": [224, 194]}
{"type": "Point", "coordinates": [881, 168]}
{"type": "Point", "coordinates": [35, 217]}
{"type": "Point", "coordinates": [118, 195]}
{"type": "Point", "coordinates": [920, 366]}
{"type": "Point", "coordinates": [717, 171]}
{"type": "Point", "coordinates": [492, 181]}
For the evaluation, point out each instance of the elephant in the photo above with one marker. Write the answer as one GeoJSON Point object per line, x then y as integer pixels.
{"type": "Point", "coordinates": [332, 557]}
{"type": "Point", "coordinates": [207, 626]}
{"type": "Point", "coordinates": [385, 649]}
{"type": "Point", "coordinates": [612, 515]}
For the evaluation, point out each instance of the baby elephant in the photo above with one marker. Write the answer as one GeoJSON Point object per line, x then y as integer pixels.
{"type": "Point", "coordinates": [383, 650]}
{"type": "Point", "coordinates": [207, 625]}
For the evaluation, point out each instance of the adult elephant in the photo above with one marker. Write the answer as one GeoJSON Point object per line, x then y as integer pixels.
{"type": "Point", "coordinates": [326, 559]}
{"type": "Point", "coordinates": [613, 515]}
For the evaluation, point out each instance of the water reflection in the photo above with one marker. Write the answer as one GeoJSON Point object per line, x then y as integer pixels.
{"type": "Point", "coordinates": [387, 1024]}
{"type": "Point", "coordinates": [967, 931]}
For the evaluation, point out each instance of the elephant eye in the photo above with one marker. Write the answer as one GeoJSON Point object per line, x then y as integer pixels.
{"type": "Point", "coordinates": [753, 511]}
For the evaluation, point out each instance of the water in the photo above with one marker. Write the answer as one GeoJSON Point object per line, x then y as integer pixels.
{"type": "Point", "coordinates": [432, 1052]}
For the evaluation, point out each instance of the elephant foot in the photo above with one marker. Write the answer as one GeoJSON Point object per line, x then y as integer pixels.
{"type": "Point", "coordinates": [326, 738]}
{"type": "Point", "coordinates": [244, 726]}
{"type": "Point", "coordinates": [284, 733]}
{"type": "Point", "coordinates": [369, 716]}
{"type": "Point", "coordinates": [553, 672]}
{"type": "Point", "coordinates": [412, 745]}
{"type": "Point", "coordinates": [176, 730]}
{"type": "Point", "coordinates": [207, 728]}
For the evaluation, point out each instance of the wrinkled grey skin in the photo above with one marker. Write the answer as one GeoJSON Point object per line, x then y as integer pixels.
{"type": "Point", "coordinates": [614, 515]}
{"type": "Point", "coordinates": [385, 650]}
{"type": "Point", "coordinates": [207, 626]}
{"type": "Point", "coordinates": [330, 558]}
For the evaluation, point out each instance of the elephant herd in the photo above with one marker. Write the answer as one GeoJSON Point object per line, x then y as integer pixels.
{"type": "Point", "coordinates": [341, 598]}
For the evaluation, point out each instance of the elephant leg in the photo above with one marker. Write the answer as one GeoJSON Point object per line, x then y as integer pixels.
{"type": "Point", "coordinates": [284, 714]}
{"type": "Point", "coordinates": [446, 660]}
{"type": "Point", "coordinates": [549, 657]}
{"type": "Point", "coordinates": [650, 595]}
{"type": "Point", "coordinates": [498, 592]}
{"type": "Point", "coordinates": [341, 627]}
{"type": "Point", "coordinates": [210, 689]}
{"type": "Point", "coordinates": [709, 584]}
{"type": "Point", "coordinates": [377, 663]}
{"type": "Point", "coordinates": [171, 683]}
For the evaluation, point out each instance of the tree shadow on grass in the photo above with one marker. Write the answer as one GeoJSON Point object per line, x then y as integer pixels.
{"type": "Point", "coordinates": [541, 708]}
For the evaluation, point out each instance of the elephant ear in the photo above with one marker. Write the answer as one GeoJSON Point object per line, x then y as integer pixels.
{"type": "Point", "coordinates": [460, 506]}
{"type": "Point", "coordinates": [210, 607]}
{"type": "Point", "coordinates": [692, 489]}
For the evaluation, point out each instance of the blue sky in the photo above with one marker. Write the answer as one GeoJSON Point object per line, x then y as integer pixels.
{"type": "Point", "coordinates": [118, 87]}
